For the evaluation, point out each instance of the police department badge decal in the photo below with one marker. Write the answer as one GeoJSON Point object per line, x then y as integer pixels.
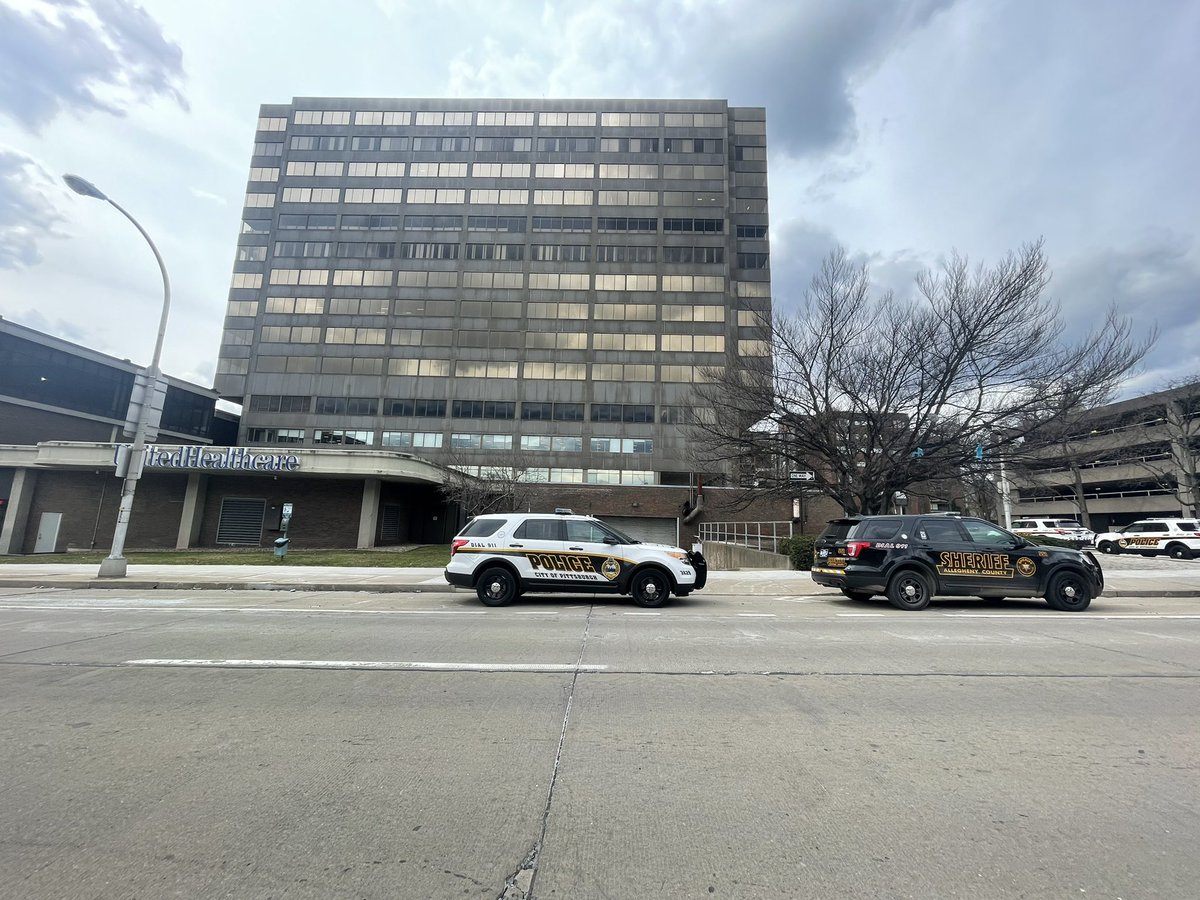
{"type": "Point", "coordinates": [610, 568]}
{"type": "Point", "coordinates": [1025, 566]}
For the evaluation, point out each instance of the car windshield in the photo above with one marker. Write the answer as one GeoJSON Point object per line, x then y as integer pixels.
{"type": "Point", "coordinates": [621, 536]}
{"type": "Point", "coordinates": [1067, 523]}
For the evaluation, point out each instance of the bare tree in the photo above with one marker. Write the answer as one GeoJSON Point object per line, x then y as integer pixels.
{"type": "Point", "coordinates": [874, 394]}
{"type": "Point", "coordinates": [506, 484]}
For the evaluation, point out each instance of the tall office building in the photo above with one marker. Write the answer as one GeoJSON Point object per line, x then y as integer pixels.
{"type": "Point", "coordinates": [490, 281]}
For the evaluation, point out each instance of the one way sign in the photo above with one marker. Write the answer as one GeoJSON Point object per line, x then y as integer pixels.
{"type": "Point", "coordinates": [802, 476]}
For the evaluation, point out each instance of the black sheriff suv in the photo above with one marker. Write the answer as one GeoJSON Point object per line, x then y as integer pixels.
{"type": "Point", "coordinates": [912, 559]}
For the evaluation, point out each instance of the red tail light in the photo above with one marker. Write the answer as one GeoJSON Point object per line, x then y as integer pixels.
{"type": "Point", "coordinates": [853, 548]}
{"type": "Point", "coordinates": [457, 543]}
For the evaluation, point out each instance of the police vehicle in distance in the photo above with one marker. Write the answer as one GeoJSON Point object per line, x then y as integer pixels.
{"type": "Point", "coordinates": [503, 555]}
{"type": "Point", "coordinates": [1063, 529]}
{"type": "Point", "coordinates": [1177, 538]}
{"type": "Point", "coordinates": [911, 559]}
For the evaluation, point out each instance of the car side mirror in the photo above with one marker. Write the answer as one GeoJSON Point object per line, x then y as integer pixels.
{"type": "Point", "coordinates": [609, 539]}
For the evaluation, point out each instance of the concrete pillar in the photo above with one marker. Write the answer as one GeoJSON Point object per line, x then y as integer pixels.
{"type": "Point", "coordinates": [368, 515]}
{"type": "Point", "coordinates": [193, 511]}
{"type": "Point", "coordinates": [16, 517]}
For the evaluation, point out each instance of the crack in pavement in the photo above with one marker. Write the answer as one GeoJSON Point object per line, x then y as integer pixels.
{"type": "Point", "coordinates": [519, 885]}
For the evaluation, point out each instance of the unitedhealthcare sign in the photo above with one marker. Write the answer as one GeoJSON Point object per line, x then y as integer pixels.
{"type": "Point", "coordinates": [227, 459]}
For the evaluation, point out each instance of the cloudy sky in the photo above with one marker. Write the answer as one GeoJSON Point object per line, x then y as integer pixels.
{"type": "Point", "coordinates": [901, 130]}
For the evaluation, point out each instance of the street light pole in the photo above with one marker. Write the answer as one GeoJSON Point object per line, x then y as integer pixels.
{"type": "Point", "coordinates": [115, 565]}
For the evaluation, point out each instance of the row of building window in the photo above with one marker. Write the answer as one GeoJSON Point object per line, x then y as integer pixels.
{"type": "Point", "coordinates": [511, 224]}
{"type": "Point", "coordinates": [552, 281]}
{"type": "Point", "coordinates": [458, 440]}
{"type": "Point", "coordinates": [509, 119]}
{"type": "Point", "coordinates": [545, 371]}
{"type": "Point", "coordinates": [530, 410]}
{"type": "Point", "coordinates": [537, 252]}
{"type": "Point", "coordinates": [516, 144]}
{"type": "Point", "coordinates": [327, 169]}
{"type": "Point", "coordinates": [512, 309]}
{"type": "Point", "coordinates": [484, 196]}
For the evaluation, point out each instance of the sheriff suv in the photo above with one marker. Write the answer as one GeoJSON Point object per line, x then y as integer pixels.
{"type": "Point", "coordinates": [504, 555]}
{"type": "Point", "coordinates": [1177, 538]}
{"type": "Point", "coordinates": [912, 559]}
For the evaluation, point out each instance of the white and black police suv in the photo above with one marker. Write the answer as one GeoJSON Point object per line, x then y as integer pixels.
{"type": "Point", "coordinates": [504, 555]}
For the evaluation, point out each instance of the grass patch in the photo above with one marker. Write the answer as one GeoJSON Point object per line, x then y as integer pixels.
{"type": "Point", "coordinates": [427, 556]}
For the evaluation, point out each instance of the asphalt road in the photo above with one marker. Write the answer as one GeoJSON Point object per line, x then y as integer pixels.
{"type": "Point", "coordinates": [292, 745]}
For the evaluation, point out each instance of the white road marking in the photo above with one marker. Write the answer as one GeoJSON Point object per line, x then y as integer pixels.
{"type": "Point", "coordinates": [363, 664]}
{"type": "Point", "coordinates": [1058, 617]}
{"type": "Point", "coordinates": [757, 615]}
{"type": "Point", "coordinates": [643, 614]}
{"type": "Point", "coordinates": [79, 607]}
{"type": "Point", "coordinates": [859, 615]}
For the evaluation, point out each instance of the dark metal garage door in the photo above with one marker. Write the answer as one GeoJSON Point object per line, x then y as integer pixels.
{"type": "Point", "coordinates": [647, 528]}
{"type": "Point", "coordinates": [241, 521]}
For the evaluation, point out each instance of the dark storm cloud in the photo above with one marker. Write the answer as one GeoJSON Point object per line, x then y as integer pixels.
{"type": "Point", "coordinates": [1155, 281]}
{"type": "Point", "coordinates": [70, 56]}
{"type": "Point", "coordinates": [27, 213]}
{"type": "Point", "coordinates": [800, 61]}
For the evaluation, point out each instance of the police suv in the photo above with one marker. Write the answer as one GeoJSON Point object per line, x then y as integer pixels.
{"type": "Point", "coordinates": [1177, 538]}
{"type": "Point", "coordinates": [504, 555]}
{"type": "Point", "coordinates": [912, 559]}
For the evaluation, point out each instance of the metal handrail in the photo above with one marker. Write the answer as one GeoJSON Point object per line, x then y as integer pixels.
{"type": "Point", "coordinates": [755, 535]}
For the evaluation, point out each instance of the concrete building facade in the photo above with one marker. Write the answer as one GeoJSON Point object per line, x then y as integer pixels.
{"type": "Point", "coordinates": [521, 284]}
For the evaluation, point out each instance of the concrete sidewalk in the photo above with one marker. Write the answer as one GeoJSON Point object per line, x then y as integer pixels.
{"type": "Point", "coordinates": [1124, 577]}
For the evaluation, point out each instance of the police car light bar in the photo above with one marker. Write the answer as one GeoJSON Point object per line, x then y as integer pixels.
{"type": "Point", "coordinates": [563, 511]}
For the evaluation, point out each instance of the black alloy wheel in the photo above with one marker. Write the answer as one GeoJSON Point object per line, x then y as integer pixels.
{"type": "Point", "coordinates": [910, 590]}
{"type": "Point", "coordinates": [650, 589]}
{"type": "Point", "coordinates": [1068, 592]}
{"type": "Point", "coordinates": [1180, 551]}
{"type": "Point", "coordinates": [1108, 547]}
{"type": "Point", "coordinates": [497, 586]}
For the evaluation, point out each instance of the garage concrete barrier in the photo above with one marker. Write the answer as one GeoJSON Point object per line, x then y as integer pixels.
{"type": "Point", "coordinates": [723, 557]}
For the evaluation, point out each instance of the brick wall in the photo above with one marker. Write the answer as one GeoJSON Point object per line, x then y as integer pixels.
{"type": "Point", "coordinates": [89, 502]}
{"type": "Point", "coordinates": [325, 511]}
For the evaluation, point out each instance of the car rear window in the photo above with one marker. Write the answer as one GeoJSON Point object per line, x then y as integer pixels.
{"type": "Point", "coordinates": [1066, 523]}
{"type": "Point", "coordinates": [481, 528]}
{"type": "Point", "coordinates": [1189, 526]}
{"type": "Point", "coordinates": [876, 529]}
{"type": "Point", "coordinates": [837, 529]}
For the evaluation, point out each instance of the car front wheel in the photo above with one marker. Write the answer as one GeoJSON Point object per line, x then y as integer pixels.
{"type": "Point", "coordinates": [1068, 592]}
{"type": "Point", "coordinates": [1108, 547]}
{"type": "Point", "coordinates": [497, 587]}
{"type": "Point", "coordinates": [910, 590]}
{"type": "Point", "coordinates": [650, 588]}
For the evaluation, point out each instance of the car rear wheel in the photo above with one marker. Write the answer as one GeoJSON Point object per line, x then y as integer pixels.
{"type": "Point", "coordinates": [1108, 547]}
{"type": "Point", "coordinates": [650, 588]}
{"type": "Point", "coordinates": [857, 595]}
{"type": "Point", "coordinates": [1068, 592]}
{"type": "Point", "coordinates": [497, 586]}
{"type": "Point", "coordinates": [1180, 551]}
{"type": "Point", "coordinates": [910, 590]}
